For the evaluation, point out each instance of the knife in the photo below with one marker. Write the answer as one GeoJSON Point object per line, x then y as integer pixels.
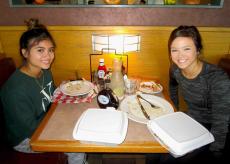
{"type": "Point", "coordinates": [152, 105]}
{"type": "Point", "coordinates": [143, 109]}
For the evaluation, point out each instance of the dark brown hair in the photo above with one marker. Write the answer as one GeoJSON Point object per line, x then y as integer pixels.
{"type": "Point", "coordinates": [36, 32]}
{"type": "Point", "coordinates": [186, 31]}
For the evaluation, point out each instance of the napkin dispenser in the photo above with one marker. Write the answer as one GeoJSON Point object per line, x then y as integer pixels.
{"type": "Point", "coordinates": [179, 133]}
{"type": "Point", "coordinates": [101, 126]}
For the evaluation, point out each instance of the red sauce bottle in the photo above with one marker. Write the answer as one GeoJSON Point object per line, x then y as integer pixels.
{"type": "Point", "coordinates": [101, 71]}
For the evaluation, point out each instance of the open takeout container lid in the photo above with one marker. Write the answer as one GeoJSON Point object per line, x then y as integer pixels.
{"type": "Point", "coordinates": [101, 126]}
{"type": "Point", "coordinates": [179, 133]}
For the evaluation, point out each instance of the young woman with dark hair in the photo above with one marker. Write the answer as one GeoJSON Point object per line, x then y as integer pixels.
{"type": "Point", "coordinates": [204, 87]}
{"type": "Point", "coordinates": [26, 96]}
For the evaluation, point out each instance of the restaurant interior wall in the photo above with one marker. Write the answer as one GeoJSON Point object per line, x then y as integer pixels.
{"type": "Point", "coordinates": [117, 16]}
{"type": "Point", "coordinates": [72, 29]}
{"type": "Point", "coordinates": [74, 47]}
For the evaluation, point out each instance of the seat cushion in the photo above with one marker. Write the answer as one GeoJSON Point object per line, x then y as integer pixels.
{"type": "Point", "coordinates": [224, 63]}
{"type": "Point", "coordinates": [7, 67]}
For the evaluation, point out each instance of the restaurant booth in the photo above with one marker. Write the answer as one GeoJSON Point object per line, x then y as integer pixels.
{"type": "Point", "coordinates": [73, 27]}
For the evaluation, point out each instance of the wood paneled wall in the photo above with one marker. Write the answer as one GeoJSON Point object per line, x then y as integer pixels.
{"type": "Point", "coordinates": [74, 47]}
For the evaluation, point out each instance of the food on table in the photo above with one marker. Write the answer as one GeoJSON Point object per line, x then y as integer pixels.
{"type": "Point", "coordinates": [135, 109]}
{"type": "Point", "coordinates": [152, 86]}
{"type": "Point", "coordinates": [76, 88]}
{"type": "Point", "coordinates": [70, 87]}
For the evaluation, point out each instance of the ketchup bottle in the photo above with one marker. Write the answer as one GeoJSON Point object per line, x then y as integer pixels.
{"type": "Point", "coordinates": [101, 71]}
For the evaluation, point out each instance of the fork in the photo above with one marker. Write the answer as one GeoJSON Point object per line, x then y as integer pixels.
{"type": "Point", "coordinates": [152, 105]}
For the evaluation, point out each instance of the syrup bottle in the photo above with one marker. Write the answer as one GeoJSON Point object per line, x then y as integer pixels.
{"type": "Point", "coordinates": [106, 98]}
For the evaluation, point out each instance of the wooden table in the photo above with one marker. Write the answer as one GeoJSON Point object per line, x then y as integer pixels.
{"type": "Point", "coordinates": [55, 134]}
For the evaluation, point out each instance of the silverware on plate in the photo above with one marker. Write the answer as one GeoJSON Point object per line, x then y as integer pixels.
{"type": "Point", "coordinates": [142, 108]}
{"type": "Point", "coordinates": [152, 105]}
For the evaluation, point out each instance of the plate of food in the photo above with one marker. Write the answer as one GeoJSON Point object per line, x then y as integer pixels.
{"type": "Point", "coordinates": [132, 108]}
{"type": "Point", "coordinates": [76, 88]}
{"type": "Point", "coordinates": [150, 87]}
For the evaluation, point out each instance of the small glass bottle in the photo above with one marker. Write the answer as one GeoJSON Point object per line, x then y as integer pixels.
{"type": "Point", "coordinates": [117, 81]}
{"type": "Point", "coordinates": [101, 73]}
{"type": "Point", "coordinates": [101, 69]}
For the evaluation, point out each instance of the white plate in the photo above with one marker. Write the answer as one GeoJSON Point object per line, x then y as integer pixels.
{"type": "Point", "coordinates": [150, 87]}
{"type": "Point", "coordinates": [76, 88]}
{"type": "Point", "coordinates": [131, 107]}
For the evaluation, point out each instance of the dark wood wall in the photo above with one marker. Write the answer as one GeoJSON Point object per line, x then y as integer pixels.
{"type": "Point", "coordinates": [219, 17]}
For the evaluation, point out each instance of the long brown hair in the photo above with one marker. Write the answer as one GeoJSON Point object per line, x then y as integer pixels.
{"type": "Point", "coordinates": [185, 31]}
{"type": "Point", "coordinates": [35, 33]}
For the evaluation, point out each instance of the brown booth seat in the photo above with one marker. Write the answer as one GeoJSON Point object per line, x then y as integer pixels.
{"type": "Point", "coordinates": [224, 63]}
{"type": "Point", "coordinates": [8, 155]}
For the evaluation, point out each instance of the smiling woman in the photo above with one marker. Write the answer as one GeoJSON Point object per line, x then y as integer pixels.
{"type": "Point", "coordinates": [26, 95]}
{"type": "Point", "coordinates": [204, 87]}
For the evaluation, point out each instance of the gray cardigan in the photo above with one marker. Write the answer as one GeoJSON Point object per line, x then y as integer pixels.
{"type": "Point", "coordinates": [207, 97]}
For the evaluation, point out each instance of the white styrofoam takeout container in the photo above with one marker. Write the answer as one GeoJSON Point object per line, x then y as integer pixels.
{"type": "Point", "coordinates": [179, 133]}
{"type": "Point", "coordinates": [101, 126]}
